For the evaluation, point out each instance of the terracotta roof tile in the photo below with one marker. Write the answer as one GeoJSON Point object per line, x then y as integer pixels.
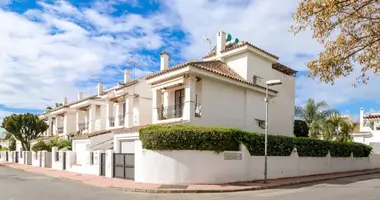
{"type": "Point", "coordinates": [236, 46]}
{"type": "Point", "coordinates": [214, 66]}
{"type": "Point", "coordinates": [136, 128]}
{"type": "Point", "coordinates": [284, 69]}
{"type": "Point", "coordinates": [372, 116]}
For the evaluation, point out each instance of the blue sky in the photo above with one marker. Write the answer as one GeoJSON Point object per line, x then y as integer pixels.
{"type": "Point", "coordinates": [54, 49]}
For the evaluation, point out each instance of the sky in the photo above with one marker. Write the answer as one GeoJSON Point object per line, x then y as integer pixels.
{"type": "Point", "coordinates": [54, 49]}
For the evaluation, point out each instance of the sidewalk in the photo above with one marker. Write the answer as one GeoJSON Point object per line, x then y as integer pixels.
{"type": "Point", "coordinates": [132, 186]}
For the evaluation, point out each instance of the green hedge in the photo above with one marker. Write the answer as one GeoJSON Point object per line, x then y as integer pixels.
{"type": "Point", "coordinates": [182, 137]}
{"type": "Point", "coordinates": [189, 138]}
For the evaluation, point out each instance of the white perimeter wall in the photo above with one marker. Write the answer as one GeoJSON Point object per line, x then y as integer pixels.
{"type": "Point", "coordinates": [191, 167]}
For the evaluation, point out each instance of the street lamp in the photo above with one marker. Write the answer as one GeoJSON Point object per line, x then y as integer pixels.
{"type": "Point", "coordinates": [268, 83]}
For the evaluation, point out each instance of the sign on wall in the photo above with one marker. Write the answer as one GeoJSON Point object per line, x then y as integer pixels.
{"type": "Point", "coordinates": [232, 156]}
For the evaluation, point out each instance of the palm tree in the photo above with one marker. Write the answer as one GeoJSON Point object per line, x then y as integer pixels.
{"type": "Point", "coordinates": [315, 115]}
{"type": "Point", "coordinates": [346, 131]}
{"type": "Point", "coordinates": [333, 127]}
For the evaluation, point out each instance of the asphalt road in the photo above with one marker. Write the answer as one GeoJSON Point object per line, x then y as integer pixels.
{"type": "Point", "coordinates": [20, 185]}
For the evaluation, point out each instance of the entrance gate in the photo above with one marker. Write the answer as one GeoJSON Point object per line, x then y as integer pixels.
{"type": "Point", "coordinates": [102, 164]}
{"type": "Point", "coordinates": [124, 165]}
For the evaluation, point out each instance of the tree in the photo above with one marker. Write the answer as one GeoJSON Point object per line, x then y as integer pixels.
{"type": "Point", "coordinates": [300, 128]}
{"type": "Point", "coordinates": [314, 114]}
{"type": "Point", "coordinates": [333, 127]}
{"type": "Point", "coordinates": [48, 108]}
{"type": "Point", "coordinates": [357, 25]}
{"type": "Point", "coordinates": [24, 127]}
{"type": "Point", "coordinates": [345, 134]}
{"type": "Point", "coordinates": [58, 105]}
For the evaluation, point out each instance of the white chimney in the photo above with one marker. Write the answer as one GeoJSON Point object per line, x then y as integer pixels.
{"type": "Point", "coordinates": [220, 42]}
{"type": "Point", "coordinates": [100, 88]}
{"type": "Point", "coordinates": [164, 60]}
{"type": "Point", "coordinates": [127, 76]}
{"type": "Point", "coordinates": [65, 101]}
{"type": "Point", "coordinates": [80, 95]}
{"type": "Point", "coordinates": [361, 119]}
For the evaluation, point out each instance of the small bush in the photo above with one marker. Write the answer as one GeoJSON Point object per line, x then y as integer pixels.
{"type": "Point", "coordinates": [60, 143]}
{"type": "Point", "coordinates": [4, 149]}
{"type": "Point", "coordinates": [177, 137]}
{"type": "Point", "coordinates": [40, 146]}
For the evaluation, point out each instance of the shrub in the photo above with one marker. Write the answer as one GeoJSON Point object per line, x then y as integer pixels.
{"type": "Point", "coordinates": [12, 144]}
{"type": "Point", "coordinates": [40, 146]}
{"type": "Point", "coordinates": [181, 137]}
{"type": "Point", "coordinates": [60, 143]}
{"type": "Point", "coordinates": [4, 149]}
{"type": "Point", "coordinates": [189, 138]}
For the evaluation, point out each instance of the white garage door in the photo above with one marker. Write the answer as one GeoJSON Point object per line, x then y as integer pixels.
{"type": "Point", "coordinates": [375, 147]}
{"type": "Point", "coordinates": [80, 149]}
{"type": "Point", "coordinates": [127, 146]}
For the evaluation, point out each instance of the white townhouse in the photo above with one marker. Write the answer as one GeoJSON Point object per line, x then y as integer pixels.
{"type": "Point", "coordinates": [91, 120]}
{"type": "Point", "coordinates": [368, 131]}
{"type": "Point", "coordinates": [227, 88]}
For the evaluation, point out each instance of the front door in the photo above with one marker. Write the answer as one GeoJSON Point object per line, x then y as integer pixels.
{"type": "Point", "coordinates": [179, 96]}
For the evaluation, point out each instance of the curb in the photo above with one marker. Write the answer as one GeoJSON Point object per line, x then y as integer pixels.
{"type": "Point", "coordinates": [141, 190]}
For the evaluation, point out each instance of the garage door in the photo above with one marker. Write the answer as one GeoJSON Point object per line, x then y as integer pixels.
{"type": "Point", "coordinates": [80, 149]}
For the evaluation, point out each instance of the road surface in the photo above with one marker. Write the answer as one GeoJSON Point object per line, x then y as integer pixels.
{"type": "Point", "coordinates": [20, 185]}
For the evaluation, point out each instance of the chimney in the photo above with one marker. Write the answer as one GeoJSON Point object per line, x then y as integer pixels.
{"type": "Point", "coordinates": [100, 88]}
{"type": "Point", "coordinates": [80, 95]}
{"type": "Point", "coordinates": [164, 60]}
{"type": "Point", "coordinates": [220, 42]}
{"type": "Point", "coordinates": [127, 76]}
{"type": "Point", "coordinates": [361, 119]}
{"type": "Point", "coordinates": [65, 101]}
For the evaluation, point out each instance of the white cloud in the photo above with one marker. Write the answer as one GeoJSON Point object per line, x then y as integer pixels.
{"type": "Point", "coordinates": [45, 53]}
{"type": "Point", "coordinates": [265, 23]}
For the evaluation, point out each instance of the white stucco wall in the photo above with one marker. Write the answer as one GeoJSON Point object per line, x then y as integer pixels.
{"type": "Point", "coordinates": [227, 105]}
{"type": "Point", "coordinates": [178, 167]}
{"type": "Point", "coordinates": [100, 139]}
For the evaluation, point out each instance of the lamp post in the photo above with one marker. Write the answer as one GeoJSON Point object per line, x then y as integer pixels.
{"type": "Point", "coordinates": [268, 83]}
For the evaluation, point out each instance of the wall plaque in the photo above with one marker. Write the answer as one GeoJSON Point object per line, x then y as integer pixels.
{"type": "Point", "coordinates": [232, 156]}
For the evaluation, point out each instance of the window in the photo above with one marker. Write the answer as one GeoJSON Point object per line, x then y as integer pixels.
{"type": "Point", "coordinates": [260, 123]}
{"type": "Point", "coordinates": [371, 125]}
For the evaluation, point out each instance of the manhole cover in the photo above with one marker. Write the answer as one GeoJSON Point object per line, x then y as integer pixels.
{"type": "Point", "coordinates": [173, 187]}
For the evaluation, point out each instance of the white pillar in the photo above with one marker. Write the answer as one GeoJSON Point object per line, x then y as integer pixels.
{"type": "Point", "coordinates": [156, 104]}
{"type": "Point", "coordinates": [128, 121]}
{"type": "Point", "coordinates": [117, 114]}
{"type": "Point", "coordinates": [109, 163]}
{"type": "Point", "coordinates": [77, 115]}
{"type": "Point", "coordinates": [91, 120]}
{"type": "Point", "coordinates": [103, 119]}
{"type": "Point", "coordinates": [55, 131]}
{"type": "Point", "coordinates": [189, 107]}
{"type": "Point", "coordinates": [109, 109]}
{"type": "Point", "coordinates": [65, 124]}
{"type": "Point", "coordinates": [50, 129]}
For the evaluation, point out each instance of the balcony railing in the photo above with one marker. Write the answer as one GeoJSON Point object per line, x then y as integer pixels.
{"type": "Point", "coordinates": [83, 126]}
{"type": "Point", "coordinates": [60, 130]}
{"type": "Point", "coordinates": [170, 112]}
{"type": "Point", "coordinates": [121, 120]}
{"type": "Point", "coordinates": [112, 121]}
{"type": "Point", "coordinates": [198, 110]}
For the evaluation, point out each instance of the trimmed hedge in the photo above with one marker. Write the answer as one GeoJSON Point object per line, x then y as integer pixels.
{"type": "Point", "coordinates": [184, 137]}
{"type": "Point", "coordinates": [189, 138]}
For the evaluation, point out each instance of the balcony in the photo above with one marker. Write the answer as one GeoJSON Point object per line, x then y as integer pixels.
{"type": "Point", "coordinates": [170, 112]}
{"type": "Point", "coordinates": [121, 120]}
{"type": "Point", "coordinates": [60, 130]}
{"type": "Point", "coordinates": [83, 126]}
{"type": "Point", "coordinates": [111, 121]}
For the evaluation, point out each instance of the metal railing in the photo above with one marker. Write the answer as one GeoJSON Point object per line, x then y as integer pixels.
{"type": "Point", "coordinates": [198, 110]}
{"type": "Point", "coordinates": [60, 130]}
{"type": "Point", "coordinates": [170, 112]}
{"type": "Point", "coordinates": [111, 121]}
{"type": "Point", "coordinates": [121, 120]}
{"type": "Point", "coordinates": [83, 126]}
